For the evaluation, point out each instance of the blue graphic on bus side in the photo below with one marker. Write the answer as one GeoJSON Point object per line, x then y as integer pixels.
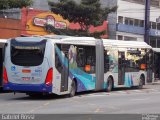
{"type": "Point", "coordinates": [13, 68]}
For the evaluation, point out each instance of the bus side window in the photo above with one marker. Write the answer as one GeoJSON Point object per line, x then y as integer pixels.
{"type": "Point", "coordinates": [86, 57]}
{"type": "Point", "coordinates": [58, 64]}
{"type": "Point", "coordinates": [80, 57]}
{"type": "Point", "coordinates": [106, 62]}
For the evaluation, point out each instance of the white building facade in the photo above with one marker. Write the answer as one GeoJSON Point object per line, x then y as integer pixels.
{"type": "Point", "coordinates": [130, 21]}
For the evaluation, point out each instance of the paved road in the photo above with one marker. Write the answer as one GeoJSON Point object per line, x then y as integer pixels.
{"type": "Point", "coordinates": [146, 100]}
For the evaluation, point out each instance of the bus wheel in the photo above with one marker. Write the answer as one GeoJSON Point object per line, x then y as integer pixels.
{"type": "Point", "coordinates": [73, 89]}
{"type": "Point", "coordinates": [109, 84]}
{"type": "Point", "coordinates": [141, 81]}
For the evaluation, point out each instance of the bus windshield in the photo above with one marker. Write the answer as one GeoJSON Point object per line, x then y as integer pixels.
{"type": "Point", "coordinates": [27, 53]}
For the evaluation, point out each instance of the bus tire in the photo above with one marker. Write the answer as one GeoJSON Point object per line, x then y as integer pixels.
{"type": "Point", "coordinates": [109, 84]}
{"type": "Point", "coordinates": [141, 82]}
{"type": "Point", "coordinates": [73, 89]}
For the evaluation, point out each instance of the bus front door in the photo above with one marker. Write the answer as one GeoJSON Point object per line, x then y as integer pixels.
{"type": "Point", "coordinates": [61, 64]}
{"type": "Point", "coordinates": [149, 66]}
{"type": "Point", "coordinates": [121, 68]}
{"type": "Point", "coordinates": [64, 74]}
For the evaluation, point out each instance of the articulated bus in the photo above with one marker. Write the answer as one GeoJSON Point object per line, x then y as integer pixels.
{"type": "Point", "coordinates": [67, 65]}
{"type": "Point", "coordinates": [2, 48]}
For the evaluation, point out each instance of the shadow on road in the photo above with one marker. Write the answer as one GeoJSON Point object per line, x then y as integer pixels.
{"type": "Point", "coordinates": [22, 96]}
{"type": "Point", "coordinates": [39, 97]}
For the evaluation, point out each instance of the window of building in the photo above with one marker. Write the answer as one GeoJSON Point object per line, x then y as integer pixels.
{"type": "Point", "coordinates": [152, 41]}
{"type": "Point", "coordinates": [158, 26]}
{"type": "Point", "coordinates": [120, 19]}
{"type": "Point", "coordinates": [136, 22]}
{"type": "Point", "coordinates": [153, 25]}
{"type": "Point", "coordinates": [141, 23]}
{"type": "Point", "coordinates": [120, 37]}
{"type": "Point", "coordinates": [127, 38]}
{"type": "Point", "coordinates": [155, 3]}
{"type": "Point", "coordinates": [158, 42]}
{"type": "Point", "coordinates": [131, 21]}
{"type": "Point", "coordinates": [127, 21]}
{"type": "Point", "coordinates": [150, 25]}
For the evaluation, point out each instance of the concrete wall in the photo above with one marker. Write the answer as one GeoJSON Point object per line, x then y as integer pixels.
{"type": "Point", "coordinates": [41, 4]}
{"type": "Point", "coordinates": [131, 10]}
{"type": "Point", "coordinates": [10, 28]}
{"type": "Point", "coordinates": [112, 18]}
{"type": "Point", "coordinates": [154, 13]}
{"type": "Point", "coordinates": [11, 13]}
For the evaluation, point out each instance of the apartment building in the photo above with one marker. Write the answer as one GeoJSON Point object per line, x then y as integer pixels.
{"type": "Point", "coordinates": [130, 21]}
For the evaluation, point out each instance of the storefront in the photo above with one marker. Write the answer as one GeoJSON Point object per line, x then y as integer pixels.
{"type": "Point", "coordinates": [34, 21]}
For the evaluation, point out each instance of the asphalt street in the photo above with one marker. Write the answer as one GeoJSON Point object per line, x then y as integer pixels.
{"type": "Point", "coordinates": [146, 100]}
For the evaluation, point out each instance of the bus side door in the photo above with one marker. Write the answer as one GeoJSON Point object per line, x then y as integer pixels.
{"type": "Point", "coordinates": [121, 68]}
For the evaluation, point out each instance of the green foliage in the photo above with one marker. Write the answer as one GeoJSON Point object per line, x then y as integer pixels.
{"type": "Point", "coordinates": [86, 13]}
{"type": "Point", "coordinates": [8, 4]}
{"type": "Point", "coordinates": [71, 32]}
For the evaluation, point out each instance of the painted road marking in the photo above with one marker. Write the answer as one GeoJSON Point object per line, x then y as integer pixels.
{"type": "Point", "coordinates": [140, 99]}
{"type": "Point", "coordinates": [46, 104]}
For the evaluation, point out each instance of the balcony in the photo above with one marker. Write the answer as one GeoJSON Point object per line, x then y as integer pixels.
{"type": "Point", "coordinates": [130, 29]}
{"type": "Point", "coordinates": [154, 32]}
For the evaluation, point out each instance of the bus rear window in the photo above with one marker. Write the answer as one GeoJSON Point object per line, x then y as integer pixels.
{"type": "Point", "coordinates": [27, 53]}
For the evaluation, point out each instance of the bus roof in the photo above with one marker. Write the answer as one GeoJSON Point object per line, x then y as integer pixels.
{"type": "Point", "coordinates": [59, 39]}
{"type": "Point", "coordinates": [125, 44]}
{"type": "Point", "coordinates": [3, 40]}
{"type": "Point", "coordinates": [75, 40]}
{"type": "Point", "coordinates": [86, 41]}
{"type": "Point", "coordinates": [29, 39]}
{"type": "Point", "coordinates": [156, 50]}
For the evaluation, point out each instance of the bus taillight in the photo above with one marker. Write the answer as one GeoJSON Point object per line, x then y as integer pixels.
{"type": "Point", "coordinates": [49, 77]}
{"type": "Point", "coordinates": [5, 77]}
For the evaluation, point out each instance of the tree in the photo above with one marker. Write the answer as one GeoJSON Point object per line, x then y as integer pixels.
{"type": "Point", "coordinates": [8, 4]}
{"type": "Point", "coordinates": [86, 13]}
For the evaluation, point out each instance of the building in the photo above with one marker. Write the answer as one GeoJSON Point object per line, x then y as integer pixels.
{"type": "Point", "coordinates": [127, 23]}
{"type": "Point", "coordinates": [10, 23]}
{"type": "Point", "coordinates": [130, 21]}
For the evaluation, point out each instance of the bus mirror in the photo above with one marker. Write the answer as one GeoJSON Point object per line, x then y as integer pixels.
{"type": "Point", "coordinates": [87, 68]}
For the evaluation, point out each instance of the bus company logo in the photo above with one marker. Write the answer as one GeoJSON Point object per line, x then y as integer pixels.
{"type": "Point", "coordinates": [37, 70]}
{"type": "Point", "coordinates": [13, 68]}
{"type": "Point", "coordinates": [49, 20]}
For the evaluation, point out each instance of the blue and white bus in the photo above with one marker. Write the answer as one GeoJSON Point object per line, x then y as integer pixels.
{"type": "Point", "coordinates": [66, 65]}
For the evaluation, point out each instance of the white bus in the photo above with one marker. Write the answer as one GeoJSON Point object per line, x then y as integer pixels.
{"type": "Point", "coordinates": [2, 47]}
{"type": "Point", "coordinates": [128, 63]}
{"type": "Point", "coordinates": [66, 65]}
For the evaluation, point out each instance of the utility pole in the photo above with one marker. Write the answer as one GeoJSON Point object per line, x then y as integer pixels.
{"type": "Point", "coordinates": [147, 21]}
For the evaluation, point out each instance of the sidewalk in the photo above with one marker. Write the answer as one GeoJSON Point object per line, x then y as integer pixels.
{"type": "Point", "coordinates": [156, 82]}
{"type": "Point", "coordinates": [154, 85]}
